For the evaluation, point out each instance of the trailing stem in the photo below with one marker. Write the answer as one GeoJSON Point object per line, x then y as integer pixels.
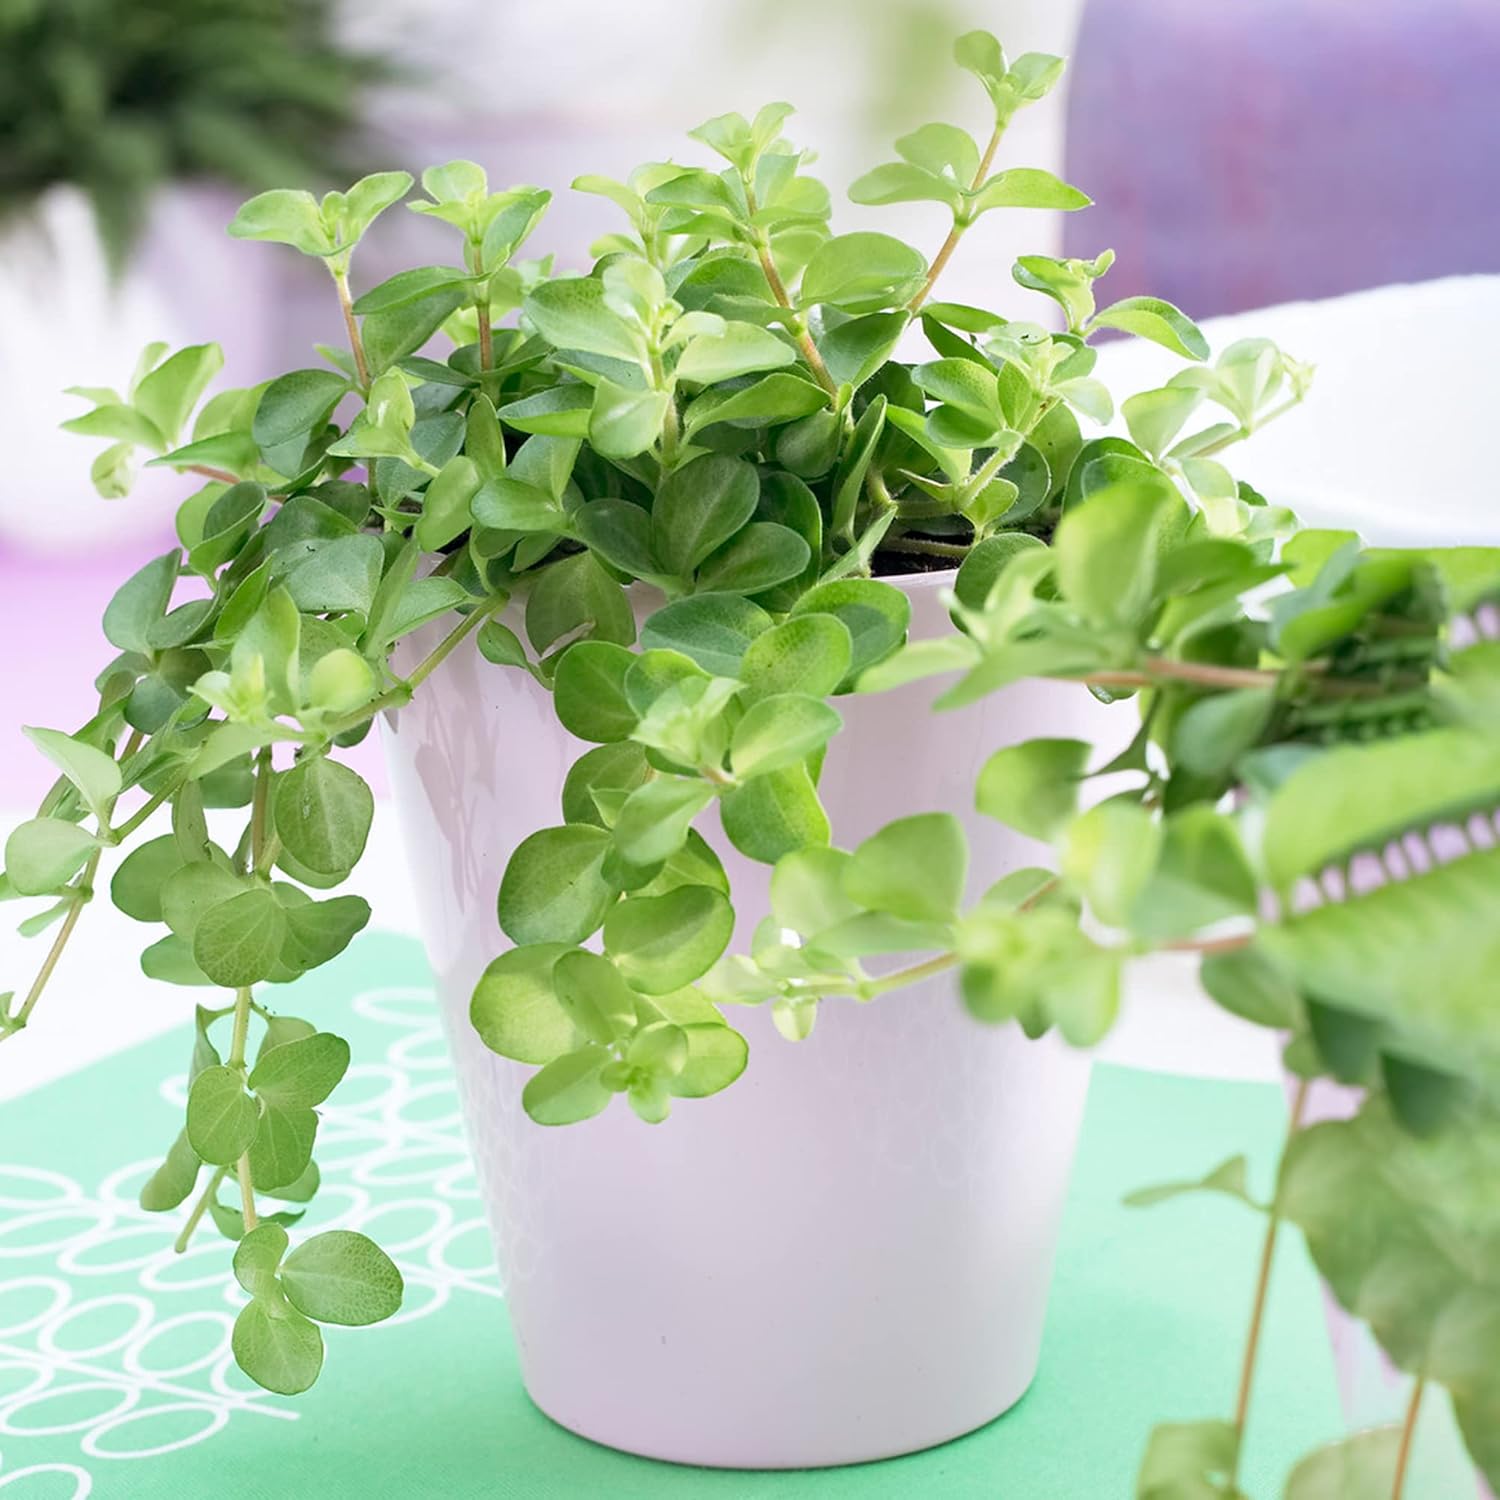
{"type": "Point", "coordinates": [11, 1024]}
{"type": "Point", "coordinates": [1262, 1292]}
{"type": "Point", "coordinates": [799, 328]}
{"type": "Point", "coordinates": [796, 321]}
{"type": "Point", "coordinates": [83, 892]}
{"type": "Point", "coordinates": [949, 245]}
{"type": "Point", "coordinates": [206, 1197]}
{"type": "Point", "coordinates": [1156, 670]}
{"type": "Point", "coordinates": [351, 324]}
{"type": "Point", "coordinates": [262, 851]}
{"type": "Point", "coordinates": [1408, 1438]}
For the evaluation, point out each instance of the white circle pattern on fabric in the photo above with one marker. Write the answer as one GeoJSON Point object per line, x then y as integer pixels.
{"type": "Point", "coordinates": [92, 1377]}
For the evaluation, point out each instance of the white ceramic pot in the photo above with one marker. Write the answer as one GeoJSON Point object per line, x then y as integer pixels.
{"type": "Point", "coordinates": [846, 1255]}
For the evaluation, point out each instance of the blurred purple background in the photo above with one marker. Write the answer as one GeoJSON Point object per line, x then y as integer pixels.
{"type": "Point", "coordinates": [1249, 154]}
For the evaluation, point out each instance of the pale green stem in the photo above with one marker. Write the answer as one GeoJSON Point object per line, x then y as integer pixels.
{"type": "Point", "coordinates": [82, 892]}
{"type": "Point", "coordinates": [1408, 1438]}
{"type": "Point", "coordinates": [396, 696]}
{"type": "Point", "coordinates": [1262, 1296]}
{"type": "Point", "coordinates": [351, 325]}
{"type": "Point", "coordinates": [199, 1209]}
{"type": "Point", "coordinates": [945, 254]}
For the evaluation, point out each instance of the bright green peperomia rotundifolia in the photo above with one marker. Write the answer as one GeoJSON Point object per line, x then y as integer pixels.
{"type": "Point", "coordinates": [756, 416]}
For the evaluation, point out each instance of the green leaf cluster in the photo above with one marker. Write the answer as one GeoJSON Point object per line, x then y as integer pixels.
{"type": "Point", "coordinates": [666, 484]}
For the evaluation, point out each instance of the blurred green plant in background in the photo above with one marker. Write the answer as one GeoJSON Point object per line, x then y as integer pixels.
{"type": "Point", "coordinates": [122, 96]}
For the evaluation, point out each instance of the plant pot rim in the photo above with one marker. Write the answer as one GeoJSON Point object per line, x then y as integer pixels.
{"type": "Point", "coordinates": [929, 578]}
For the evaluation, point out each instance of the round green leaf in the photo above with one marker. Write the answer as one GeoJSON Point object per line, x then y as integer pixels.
{"type": "Point", "coordinates": [602, 779]}
{"type": "Point", "coordinates": [714, 630]}
{"type": "Point", "coordinates": [780, 731]}
{"type": "Point", "coordinates": [760, 556]}
{"type": "Point", "coordinates": [589, 691]}
{"type": "Point", "coordinates": [238, 942]}
{"type": "Point", "coordinates": [574, 593]}
{"type": "Point", "coordinates": [912, 868]}
{"type": "Point", "coordinates": [193, 889]}
{"type": "Point", "coordinates": [221, 1117]}
{"type": "Point", "coordinates": [808, 654]}
{"type": "Point", "coordinates": [317, 931]}
{"type": "Point", "coordinates": [276, 1346]}
{"type": "Point", "coordinates": [589, 988]}
{"type": "Point", "coordinates": [1152, 318]}
{"type": "Point", "coordinates": [140, 602]}
{"type": "Point", "coordinates": [45, 853]}
{"type": "Point", "coordinates": [654, 822]}
{"type": "Point", "coordinates": [774, 814]}
{"type": "Point", "coordinates": [716, 1056]}
{"type": "Point", "coordinates": [342, 1277]}
{"type": "Point", "coordinates": [301, 1073]}
{"type": "Point", "coordinates": [256, 1258]}
{"type": "Point", "coordinates": [661, 943]}
{"type": "Point", "coordinates": [174, 1179]}
{"type": "Point", "coordinates": [95, 774]}
{"type": "Point", "coordinates": [1111, 852]}
{"type": "Point", "coordinates": [568, 1090]}
{"type": "Point", "coordinates": [1033, 786]}
{"type": "Point", "coordinates": [553, 889]}
{"type": "Point", "coordinates": [699, 507]}
{"type": "Point", "coordinates": [862, 272]}
{"type": "Point", "coordinates": [515, 1008]}
{"type": "Point", "coordinates": [323, 812]}
{"type": "Point", "coordinates": [875, 614]}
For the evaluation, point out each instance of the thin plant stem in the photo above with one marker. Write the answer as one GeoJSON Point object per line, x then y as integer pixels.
{"type": "Point", "coordinates": [810, 351]}
{"type": "Point", "coordinates": [977, 481]}
{"type": "Point", "coordinates": [942, 962]}
{"type": "Point", "coordinates": [949, 245]}
{"type": "Point", "coordinates": [671, 433]}
{"type": "Point", "coordinates": [1208, 947]}
{"type": "Point", "coordinates": [12, 1024]}
{"type": "Point", "coordinates": [206, 1197]}
{"type": "Point", "coordinates": [269, 855]}
{"type": "Point", "coordinates": [247, 1193]}
{"type": "Point", "coordinates": [351, 325]}
{"type": "Point", "coordinates": [209, 472]}
{"type": "Point", "coordinates": [1262, 1292]}
{"type": "Point", "coordinates": [144, 811]}
{"type": "Point", "coordinates": [671, 430]}
{"type": "Point", "coordinates": [796, 321]}
{"type": "Point", "coordinates": [1159, 670]}
{"type": "Point", "coordinates": [486, 334]}
{"type": "Point", "coordinates": [1408, 1438]}
{"type": "Point", "coordinates": [258, 805]}
{"type": "Point", "coordinates": [925, 546]}
{"type": "Point", "coordinates": [401, 693]}
{"type": "Point", "coordinates": [241, 1033]}
{"type": "Point", "coordinates": [260, 846]}
{"type": "Point", "coordinates": [82, 893]}
{"type": "Point", "coordinates": [1241, 433]}
{"type": "Point", "coordinates": [914, 975]}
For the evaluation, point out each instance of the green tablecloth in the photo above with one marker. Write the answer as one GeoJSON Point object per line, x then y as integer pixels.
{"type": "Point", "coordinates": [115, 1379]}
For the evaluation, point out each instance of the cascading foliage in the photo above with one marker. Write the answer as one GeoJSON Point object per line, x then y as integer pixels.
{"type": "Point", "coordinates": [753, 415]}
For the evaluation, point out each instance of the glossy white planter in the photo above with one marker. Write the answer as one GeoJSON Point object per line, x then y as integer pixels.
{"type": "Point", "coordinates": [847, 1254]}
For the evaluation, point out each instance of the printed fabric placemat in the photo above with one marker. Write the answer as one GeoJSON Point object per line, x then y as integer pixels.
{"type": "Point", "coordinates": [116, 1380]}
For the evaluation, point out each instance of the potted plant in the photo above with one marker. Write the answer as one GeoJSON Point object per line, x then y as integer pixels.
{"type": "Point", "coordinates": [655, 587]}
{"type": "Point", "coordinates": [127, 127]}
